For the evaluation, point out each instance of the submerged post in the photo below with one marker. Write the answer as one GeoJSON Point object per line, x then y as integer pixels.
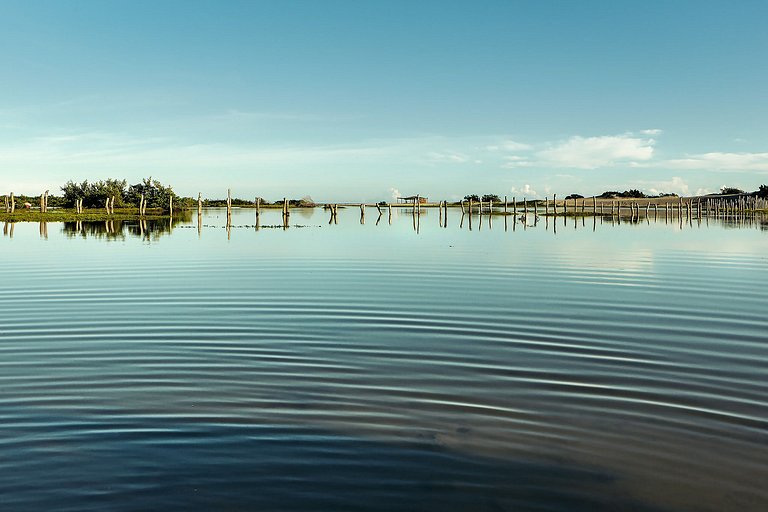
{"type": "Point", "coordinates": [199, 204]}
{"type": "Point", "coordinates": [170, 205]}
{"type": "Point", "coordinates": [13, 203]}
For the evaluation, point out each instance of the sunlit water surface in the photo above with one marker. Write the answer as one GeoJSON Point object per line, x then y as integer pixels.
{"type": "Point", "coordinates": [568, 365]}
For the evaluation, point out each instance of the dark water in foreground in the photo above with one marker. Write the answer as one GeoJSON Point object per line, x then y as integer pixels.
{"type": "Point", "coordinates": [370, 367]}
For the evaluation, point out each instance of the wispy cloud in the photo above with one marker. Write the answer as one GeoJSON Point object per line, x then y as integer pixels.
{"type": "Point", "coordinates": [719, 161]}
{"type": "Point", "coordinates": [593, 152]}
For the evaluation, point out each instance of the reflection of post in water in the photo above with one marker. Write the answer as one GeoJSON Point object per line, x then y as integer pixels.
{"type": "Point", "coordinates": [44, 227]}
{"type": "Point", "coordinates": [413, 216]}
{"type": "Point", "coordinates": [362, 213]}
{"type": "Point", "coordinates": [594, 223]}
{"type": "Point", "coordinates": [378, 219]}
{"type": "Point", "coordinates": [229, 231]}
{"type": "Point", "coordinates": [440, 214]}
{"type": "Point", "coordinates": [490, 215]}
{"type": "Point", "coordinates": [445, 214]}
{"type": "Point", "coordinates": [461, 222]}
{"type": "Point", "coordinates": [200, 224]}
{"type": "Point", "coordinates": [389, 207]}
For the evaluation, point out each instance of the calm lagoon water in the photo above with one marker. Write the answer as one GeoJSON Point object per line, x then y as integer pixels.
{"type": "Point", "coordinates": [375, 367]}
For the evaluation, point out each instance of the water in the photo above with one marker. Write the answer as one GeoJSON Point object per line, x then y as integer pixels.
{"type": "Point", "coordinates": [372, 367]}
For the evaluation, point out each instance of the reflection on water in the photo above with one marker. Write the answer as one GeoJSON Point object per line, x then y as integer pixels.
{"type": "Point", "coordinates": [146, 229]}
{"type": "Point", "coordinates": [529, 218]}
{"type": "Point", "coordinates": [405, 363]}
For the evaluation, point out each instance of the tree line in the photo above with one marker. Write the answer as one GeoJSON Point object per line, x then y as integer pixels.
{"type": "Point", "coordinates": [94, 194]}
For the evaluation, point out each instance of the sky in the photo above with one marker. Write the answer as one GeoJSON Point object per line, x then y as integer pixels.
{"type": "Point", "coordinates": [362, 101]}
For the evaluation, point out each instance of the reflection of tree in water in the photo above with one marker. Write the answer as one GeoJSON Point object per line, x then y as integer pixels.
{"type": "Point", "coordinates": [148, 229]}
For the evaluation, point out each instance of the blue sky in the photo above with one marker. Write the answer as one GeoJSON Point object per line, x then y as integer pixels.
{"type": "Point", "coordinates": [346, 100]}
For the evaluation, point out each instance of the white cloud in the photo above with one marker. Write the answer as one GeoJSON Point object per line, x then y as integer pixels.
{"type": "Point", "coordinates": [676, 185]}
{"type": "Point", "coordinates": [652, 131]}
{"type": "Point", "coordinates": [526, 191]}
{"type": "Point", "coordinates": [395, 193]}
{"type": "Point", "coordinates": [593, 152]}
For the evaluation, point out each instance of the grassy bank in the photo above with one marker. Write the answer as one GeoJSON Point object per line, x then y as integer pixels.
{"type": "Point", "coordinates": [88, 215]}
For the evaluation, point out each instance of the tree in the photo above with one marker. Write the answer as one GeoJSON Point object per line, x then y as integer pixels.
{"type": "Point", "coordinates": [731, 190]}
{"type": "Point", "coordinates": [491, 197]}
{"type": "Point", "coordinates": [575, 196]}
{"type": "Point", "coordinates": [95, 194]}
{"type": "Point", "coordinates": [155, 193]}
{"type": "Point", "coordinates": [763, 191]}
{"type": "Point", "coordinates": [472, 197]}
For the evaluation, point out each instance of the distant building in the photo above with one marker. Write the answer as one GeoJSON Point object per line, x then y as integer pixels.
{"type": "Point", "coordinates": [412, 199]}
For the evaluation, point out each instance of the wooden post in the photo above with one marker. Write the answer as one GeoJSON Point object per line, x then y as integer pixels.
{"type": "Point", "coordinates": [7, 205]}
{"type": "Point", "coordinates": [462, 207]}
{"type": "Point", "coordinates": [42, 208]}
{"type": "Point", "coordinates": [418, 205]}
{"type": "Point", "coordinates": [229, 204]}
{"type": "Point", "coordinates": [13, 203]}
{"type": "Point", "coordinates": [199, 204]}
{"type": "Point", "coordinates": [594, 205]}
{"type": "Point", "coordinates": [470, 208]}
{"type": "Point", "coordinates": [613, 207]}
{"type": "Point", "coordinates": [514, 206]}
{"type": "Point", "coordinates": [505, 205]}
{"type": "Point", "coordinates": [480, 210]}
{"type": "Point", "coordinates": [546, 206]}
{"type": "Point", "coordinates": [554, 204]}
{"type": "Point", "coordinates": [565, 207]}
{"type": "Point", "coordinates": [170, 205]}
{"type": "Point", "coordinates": [525, 207]}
